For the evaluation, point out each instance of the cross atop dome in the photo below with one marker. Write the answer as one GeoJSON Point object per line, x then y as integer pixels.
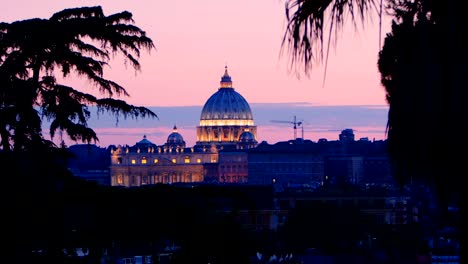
{"type": "Point", "coordinates": [226, 81]}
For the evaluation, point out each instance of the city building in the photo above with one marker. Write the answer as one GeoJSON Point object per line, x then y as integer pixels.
{"type": "Point", "coordinates": [226, 151]}
{"type": "Point", "coordinates": [146, 163]}
{"type": "Point", "coordinates": [226, 129]}
{"type": "Point", "coordinates": [90, 162]}
{"type": "Point", "coordinates": [289, 163]}
{"type": "Point", "coordinates": [304, 163]}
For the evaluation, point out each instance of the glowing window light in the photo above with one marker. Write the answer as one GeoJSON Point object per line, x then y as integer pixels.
{"type": "Point", "coordinates": [120, 179]}
{"type": "Point", "coordinates": [174, 161]}
{"type": "Point", "coordinates": [227, 122]}
{"type": "Point", "coordinates": [133, 161]}
{"type": "Point", "coordinates": [156, 160]}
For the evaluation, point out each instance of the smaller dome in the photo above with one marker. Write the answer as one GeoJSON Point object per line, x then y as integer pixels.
{"type": "Point", "coordinates": [144, 142]}
{"type": "Point", "coordinates": [143, 146]}
{"type": "Point", "coordinates": [247, 136]}
{"type": "Point", "coordinates": [175, 137]}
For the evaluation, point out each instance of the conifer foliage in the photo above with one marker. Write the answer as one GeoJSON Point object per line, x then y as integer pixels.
{"type": "Point", "coordinates": [36, 53]}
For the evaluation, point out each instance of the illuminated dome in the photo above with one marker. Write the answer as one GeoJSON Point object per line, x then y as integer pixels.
{"type": "Point", "coordinates": [175, 140]}
{"type": "Point", "coordinates": [226, 106]}
{"type": "Point", "coordinates": [175, 137]}
{"type": "Point", "coordinates": [225, 116]}
{"type": "Point", "coordinates": [247, 136]}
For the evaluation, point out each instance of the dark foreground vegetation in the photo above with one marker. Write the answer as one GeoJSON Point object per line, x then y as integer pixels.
{"type": "Point", "coordinates": [48, 219]}
{"type": "Point", "coordinates": [47, 212]}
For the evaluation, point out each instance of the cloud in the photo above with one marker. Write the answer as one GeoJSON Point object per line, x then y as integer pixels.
{"type": "Point", "coordinates": [318, 122]}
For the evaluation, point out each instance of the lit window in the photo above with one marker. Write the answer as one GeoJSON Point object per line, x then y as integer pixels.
{"type": "Point", "coordinates": [133, 161]}
{"type": "Point", "coordinates": [187, 160]}
{"type": "Point", "coordinates": [174, 161]}
{"type": "Point", "coordinates": [198, 160]}
{"type": "Point", "coordinates": [143, 161]}
{"type": "Point", "coordinates": [119, 179]}
{"type": "Point", "coordinates": [156, 160]}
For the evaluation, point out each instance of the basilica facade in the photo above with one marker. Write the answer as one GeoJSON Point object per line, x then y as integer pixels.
{"type": "Point", "coordinates": [226, 126]}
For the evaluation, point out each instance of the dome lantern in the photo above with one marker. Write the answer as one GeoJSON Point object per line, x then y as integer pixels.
{"type": "Point", "coordinates": [226, 81]}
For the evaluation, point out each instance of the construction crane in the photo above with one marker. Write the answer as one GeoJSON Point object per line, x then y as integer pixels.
{"type": "Point", "coordinates": [295, 125]}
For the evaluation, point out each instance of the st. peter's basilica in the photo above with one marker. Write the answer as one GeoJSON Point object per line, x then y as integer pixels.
{"type": "Point", "coordinates": [226, 125]}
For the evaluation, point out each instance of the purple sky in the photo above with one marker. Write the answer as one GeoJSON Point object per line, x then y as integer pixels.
{"type": "Point", "coordinates": [196, 39]}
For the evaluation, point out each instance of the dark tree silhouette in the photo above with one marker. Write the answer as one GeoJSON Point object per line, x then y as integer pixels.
{"type": "Point", "coordinates": [37, 57]}
{"type": "Point", "coordinates": [329, 228]}
{"type": "Point", "coordinates": [424, 68]}
{"type": "Point", "coordinates": [79, 41]}
{"type": "Point", "coordinates": [425, 88]}
{"type": "Point", "coordinates": [425, 93]}
{"type": "Point", "coordinates": [307, 21]}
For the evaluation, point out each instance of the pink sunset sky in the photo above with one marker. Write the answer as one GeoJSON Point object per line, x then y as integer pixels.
{"type": "Point", "coordinates": [194, 41]}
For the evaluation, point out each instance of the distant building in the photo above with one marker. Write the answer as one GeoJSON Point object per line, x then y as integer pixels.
{"type": "Point", "coordinates": [233, 166]}
{"type": "Point", "coordinates": [345, 168]}
{"type": "Point", "coordinates": [358, 162]}
{"type": "Point", "coordinates": [146, 163]}
{"type": "Point", "coordinates": [225, 132]}
{"type": "Point", "coordinates": [90, 162]}
{"type": "Point", "coordinates": [347, 135]}
{"type": "Point", "coordinates": [306, 163]}
{"type": "Point", "coordinates": [294, 162]}
{"type": "Point", "coordinates": [227, 151]}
